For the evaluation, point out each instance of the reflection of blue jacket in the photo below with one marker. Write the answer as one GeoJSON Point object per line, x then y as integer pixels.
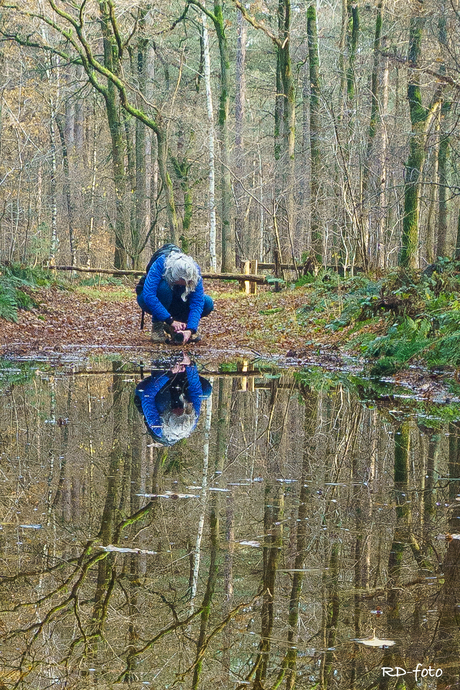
{"type": "Point", "coordinates": [160, 392]}
{"type": "Point", "coordinates": [195, 299]}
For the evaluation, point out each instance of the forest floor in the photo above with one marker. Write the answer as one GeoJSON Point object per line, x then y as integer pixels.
{"type": "Point", "coordinates": [107, 318]}
{"type": "Point", "coordinates": [314, 324]}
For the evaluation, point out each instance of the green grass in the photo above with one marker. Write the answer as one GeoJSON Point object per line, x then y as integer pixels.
{"type": "Point", "coordinates": [120, 294]}
{"type": "Point", "coordinates": [98, 281]}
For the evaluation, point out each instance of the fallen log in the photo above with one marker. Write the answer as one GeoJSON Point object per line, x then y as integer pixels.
{"type": "Point", "coordinates": [261, 280]}
{"type": "Point", "coordinates": [106, 271]}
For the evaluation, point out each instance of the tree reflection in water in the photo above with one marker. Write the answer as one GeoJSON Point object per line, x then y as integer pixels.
{"type": "Point", "coordinates": [294, 520]}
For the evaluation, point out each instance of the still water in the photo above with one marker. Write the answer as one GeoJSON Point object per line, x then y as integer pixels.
{"type": "Point", "coordinates": [225, 527]}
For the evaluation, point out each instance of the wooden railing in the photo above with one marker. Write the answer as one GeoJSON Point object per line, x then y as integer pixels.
{"type": "Point", "coordinates": [248, 277]}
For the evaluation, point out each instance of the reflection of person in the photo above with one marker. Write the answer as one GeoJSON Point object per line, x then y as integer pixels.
{"type": "Point", "coordinates": [173, 294]}
{"type": "Point", "coordinates": [171, 401]}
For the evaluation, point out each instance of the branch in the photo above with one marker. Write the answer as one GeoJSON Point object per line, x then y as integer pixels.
{"type": "Point", "coordinates": [128, 40]}
{"type": "Point", "coordinates": [116, 32]}
{"type": "Point", "coordinates": [258, 25]}
{"type": "Point", "coordinates": [90, 63]}
{"type": "Point", "coordinates": [137, 652]}
{"type": "Point", "coordinates": [67, 34]}
{"type": "Point", "coordinates": [425, 70]}
{"type": "Point", "coordinates": [27, 43]}
{"type": "Point", "coordinates": [209, 14]}
{"type": "Point", "coordinates": [261, 280]}
{"type": "Point", "coordinates": [177, 21]}
{"type": "Point", "coordinates": [216, 631]}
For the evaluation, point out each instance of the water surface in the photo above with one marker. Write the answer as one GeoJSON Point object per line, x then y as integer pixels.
{"type": "Point", "coordinates": [304, 526]}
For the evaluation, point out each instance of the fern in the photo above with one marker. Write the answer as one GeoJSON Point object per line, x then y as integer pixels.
{"type": "Point", "coordinates": [13, 280]}
{"type": "Point", "coordinates": [8, 302]}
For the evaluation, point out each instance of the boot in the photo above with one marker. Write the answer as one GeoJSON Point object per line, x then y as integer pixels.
{"type": "Point", "coordinates": [158, 332]}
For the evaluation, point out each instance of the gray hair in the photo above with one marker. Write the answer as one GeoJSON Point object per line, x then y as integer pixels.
{"type": "Point", "coordinates": [179, 266]}
{"type": "Point", "coordinates": [175, 427]}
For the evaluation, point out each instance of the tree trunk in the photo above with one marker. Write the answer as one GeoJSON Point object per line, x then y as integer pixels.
{"type": "Point", "coordinates": [365, 216]}
{"type": "Point", "coordinates": [53, 188]}
{"type": "Point", "coordinates": [228, 260]}
{"type": "Point", "coordinates": [457, 240]}
{"type": "Point", "coordinates": [94, 149]}
{"type": "Point", "coordinates": [382, 145]}
{"type": "Point", "coordinates": [211, 147]}
{"type": "Point", "coordinates": [111, 62]}
{"type": "Point", "coordinates": [130, 130]}
{"type": "Point", "coordinates": [443, 174]}
{"type": "Point", "coordinates": [140, 228]}
{"type": "Point", "coordinates": [342, 59]}
{"type": "Point", "coordinates": [162, 153]}
{"type": "Point", "coordinates": [243, 241]}
{"type": "Point", "coordinates": [315, 129]}
{"type": "Point", "coordinates": [67, 192]}
{"type": "Point", "coordinates": [352, 43]}
{"type": "Point", "coordinates": [285, 112]}
{"type": "Point", "coordinates": [421, 118]}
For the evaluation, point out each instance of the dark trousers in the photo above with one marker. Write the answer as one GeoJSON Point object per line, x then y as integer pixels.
{"type": "Point", "coordinates": [172, 301]}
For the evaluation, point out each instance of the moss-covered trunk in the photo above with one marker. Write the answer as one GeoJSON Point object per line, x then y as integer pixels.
{"type": "Point", "coordinates": [315, 126]}
{"type": "Point", "coordinates": [421, 118]}
{"type": "Point", "coordinates": [228, 260]}
{"type": "Point", "coordinates": [112, 63]}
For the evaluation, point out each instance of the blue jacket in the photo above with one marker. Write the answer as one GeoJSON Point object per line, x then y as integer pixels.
{"type": "Point", "coordinates": [195, 299]}
{"type": "Point", "coordinates": [155, 398]}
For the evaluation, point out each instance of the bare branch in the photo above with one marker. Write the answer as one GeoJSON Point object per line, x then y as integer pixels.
{"type": "Point", "coordinates": [115, 28]}
{"type": "Point", "coordinates": [443, 78]}
{"type": "Point", "coordinates": [204, 9]}
{"type": "Point", "coordinates": [259, 25]}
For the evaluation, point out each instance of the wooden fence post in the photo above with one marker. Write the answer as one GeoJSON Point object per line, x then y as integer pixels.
{"type": "Point", "coordinates": [278, 270]}
{"type": "Point", "coordinates": [253, 269]}
{"type": "Point", "coordinates": [246, 383]}
{"type": "Point", "coordinates": [245, 270]}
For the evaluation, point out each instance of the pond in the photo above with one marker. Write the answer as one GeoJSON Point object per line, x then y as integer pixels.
{"type": "Point", "coordinates": [174, 524]}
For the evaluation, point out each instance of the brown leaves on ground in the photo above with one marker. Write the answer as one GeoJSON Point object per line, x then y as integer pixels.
{"type": "Point", "coordinates": [70, 321]}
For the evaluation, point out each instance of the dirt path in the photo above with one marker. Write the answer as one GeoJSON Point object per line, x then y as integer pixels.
{"type": "Point", "coordinates": [71, 320]}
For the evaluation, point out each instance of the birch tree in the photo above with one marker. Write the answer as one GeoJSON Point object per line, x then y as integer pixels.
{"type": "Point", "coordinates": [219, 21]}
{"type": "Point", "coordinates": [211, 140]}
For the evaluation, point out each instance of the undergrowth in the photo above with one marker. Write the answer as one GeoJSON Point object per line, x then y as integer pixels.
{"type": "Point", "coordinates": [17, 284]}
{"type": "Point", "coordinates": [417, 313]}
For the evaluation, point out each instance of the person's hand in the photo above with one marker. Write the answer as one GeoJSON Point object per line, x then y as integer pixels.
{"type": "Point", "coordinates": [179, 368]}
{"type": "Point", "coordinates": [178, 326]}
{"type": "Point", "coordinates": [187, 335]}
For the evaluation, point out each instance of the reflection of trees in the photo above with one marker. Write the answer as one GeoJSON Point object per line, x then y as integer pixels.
{"type": "Point", "coordinates": [273, 516]}
{"type": "Point", "coordinates": [344, 519]}
{"type": "Point", "coordinates": [85, 587]}
{"type": "Point", "coordinates": [447, 642]}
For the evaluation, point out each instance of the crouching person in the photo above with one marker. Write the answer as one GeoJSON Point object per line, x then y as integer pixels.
{"type": "Point", "coordinates": [170, 401]}
{"type": "Point", "coordinates": [174, 296]}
